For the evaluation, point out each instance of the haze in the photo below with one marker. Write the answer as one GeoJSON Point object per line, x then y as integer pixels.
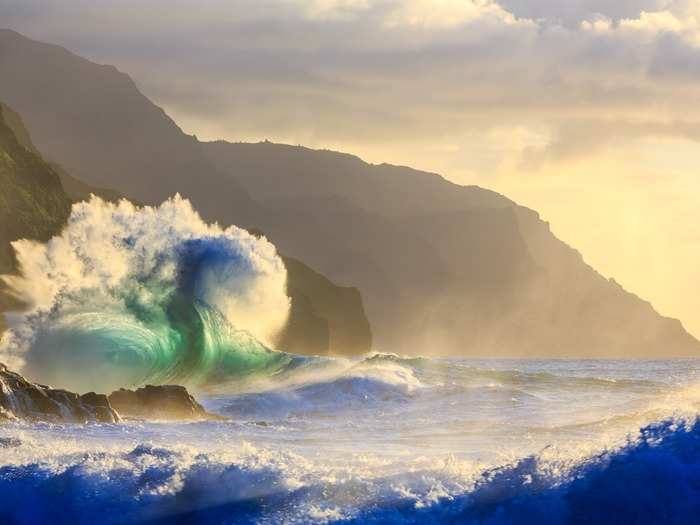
{"type": "Point", "coordinates": [586, 110]}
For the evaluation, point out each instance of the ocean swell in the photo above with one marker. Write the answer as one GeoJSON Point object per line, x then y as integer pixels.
{"type": "Point", "coordinates": [128, 295]}
{"type": "Point", "coordinates": [653, 479]}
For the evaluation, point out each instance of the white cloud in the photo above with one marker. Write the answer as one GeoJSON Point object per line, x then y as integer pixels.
{"type": "Point", "coordinates": [343, 71]}
{"type": "Point", "coordinates": [443, 14]}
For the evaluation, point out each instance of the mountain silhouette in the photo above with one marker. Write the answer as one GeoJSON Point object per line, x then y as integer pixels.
{"type": "Point", "coordinates": [442, 268]}
{"type": "Point", "coordinates": [35, 201]}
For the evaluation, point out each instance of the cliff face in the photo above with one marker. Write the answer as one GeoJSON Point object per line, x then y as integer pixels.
{"type": "Point", "coordinates": [33, 204]}
{"type": "Point", "coordinates": [93, 121]}
{"type": "Point", "coordinates": [325, 318]}
{"type": "Point", "coordinates": [35, 200]}
{"type": "Point", "coordinates": [75, 189]}
{"type": "Point", "coordinates": [32, 201]}
{"type": "Point", "coordinates": [442, 268]}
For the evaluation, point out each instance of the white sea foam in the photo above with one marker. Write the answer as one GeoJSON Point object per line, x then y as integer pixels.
{"type": "Point", "coordinates": [412, 441]}
{"type": "Point", "coordinates": [126, 294]}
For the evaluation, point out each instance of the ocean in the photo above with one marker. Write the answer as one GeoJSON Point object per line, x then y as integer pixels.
{"type": "Point", "coordinates": [383, 439]}
{"type": "Point", "coordinates": [127, 296]}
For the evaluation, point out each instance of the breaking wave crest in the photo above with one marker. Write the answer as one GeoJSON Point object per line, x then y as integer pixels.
{"type": "Point", "coordinates": [652, 479]}
{"type": "Point", "coordinates": [128, 295]}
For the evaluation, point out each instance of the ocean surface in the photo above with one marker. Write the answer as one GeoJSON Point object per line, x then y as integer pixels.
{"type": "Point", "coordinates": [383, 439]}
{"type": "Point", "coordinates": [127, 296]}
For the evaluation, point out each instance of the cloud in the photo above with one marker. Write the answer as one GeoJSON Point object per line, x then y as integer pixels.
{"type": "Point", "coordinates": [341, 71]}
{"type": "Point", "coordinates": [398, 80]}
{"type": "Point", "coordinates": [509, 93]}
{"type": "Point", "coordinates": [336, 70]}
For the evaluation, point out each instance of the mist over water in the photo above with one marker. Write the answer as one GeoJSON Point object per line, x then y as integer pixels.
{"type": "Point", "coordinates": [127, 295]}
{"type": "Point", "coordinates": [384, 439]}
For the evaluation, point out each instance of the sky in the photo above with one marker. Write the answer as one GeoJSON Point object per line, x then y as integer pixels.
{"type": "Point", "coordinates": [586, 110]}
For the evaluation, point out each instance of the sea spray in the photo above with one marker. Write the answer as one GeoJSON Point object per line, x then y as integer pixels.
{"type": "Point", "coordinates": [482, 442]}
{"type": "Point", "coordinates": [127, 295]}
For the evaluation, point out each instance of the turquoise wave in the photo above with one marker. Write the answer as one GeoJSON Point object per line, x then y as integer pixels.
{"type": "Point", "coordinates": [127, 296]}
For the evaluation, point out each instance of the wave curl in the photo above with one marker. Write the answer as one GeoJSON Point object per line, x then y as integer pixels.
{"type": "Point", "coordinates": [127, 295]}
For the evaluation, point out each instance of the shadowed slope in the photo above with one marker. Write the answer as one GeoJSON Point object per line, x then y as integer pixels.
{"type": "Point", "coordinates": [35, 205]}
{"type": "Point", "coordinates": [32, 201]}
{"type": "Point", "coordinates": [442, 267]}
{"type": "Point", "coordinates": [94, 122]}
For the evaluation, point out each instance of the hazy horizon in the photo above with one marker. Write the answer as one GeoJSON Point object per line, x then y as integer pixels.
{"type": "Point", "coordinates": [585, 112]}
{"type": "Point", "coordinates": [213, 311]}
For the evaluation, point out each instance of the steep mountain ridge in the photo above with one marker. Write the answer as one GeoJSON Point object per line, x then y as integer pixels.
{"type": "Point", "coordinates": [93, 121]}
{"type": "Point", "coordinates": [32, 201]}
{"type": "Point", "coordinates": [76, 189]}
{"type": "Point", "coordinates": [444, 266]}
{"type": "Point", "coordinates": [441, 267]}
{"type": "Point", "coordinates": [35, 200]}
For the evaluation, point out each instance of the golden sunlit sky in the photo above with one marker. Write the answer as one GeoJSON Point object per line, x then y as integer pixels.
{"type": "Point", "coordinates": [586, 110]}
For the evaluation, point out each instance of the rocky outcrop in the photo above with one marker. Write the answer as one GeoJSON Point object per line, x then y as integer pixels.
{"type": "Point", "coordinates": [158, 402]}
{"type": "Point", "coordinates": [22, 399]}
{"type": "Point", "coordinates": [325, 319]}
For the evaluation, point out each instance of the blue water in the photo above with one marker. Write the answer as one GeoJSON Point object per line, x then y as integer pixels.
{"type": "Point", "coordinates": [383, 440]}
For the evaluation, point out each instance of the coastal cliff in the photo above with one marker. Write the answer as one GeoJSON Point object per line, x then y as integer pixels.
{"type": "Point", "coordinates": [35, 201]}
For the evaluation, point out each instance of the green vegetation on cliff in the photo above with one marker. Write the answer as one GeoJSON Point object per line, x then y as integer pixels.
{"type": "Point", "coordinates": [33, 203]}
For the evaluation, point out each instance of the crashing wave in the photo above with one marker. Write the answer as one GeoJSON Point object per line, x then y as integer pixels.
{"type": "Point", "coordinates": [127, 295]}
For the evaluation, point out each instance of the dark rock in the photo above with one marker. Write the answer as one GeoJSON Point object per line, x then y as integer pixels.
{"type": "Point", "coordinates": [22, 399]}
{"type": "Point", "coordinates": [102, 410]}
{"type": "Point", "coordinates": [158, 402]}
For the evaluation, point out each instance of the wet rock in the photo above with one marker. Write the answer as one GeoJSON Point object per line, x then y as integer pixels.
{"type": "Point", "coordinates": [22, 399]}
{"type": "Point", "coordinates": [158, 402]}
{"type": "Point", "coordinates": [102, 410]}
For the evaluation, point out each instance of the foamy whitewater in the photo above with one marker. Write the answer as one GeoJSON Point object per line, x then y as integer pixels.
{"type": "Point", "coordinates": [156, 295]}
{"type": "Point", "coordinates": [132, 295]}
